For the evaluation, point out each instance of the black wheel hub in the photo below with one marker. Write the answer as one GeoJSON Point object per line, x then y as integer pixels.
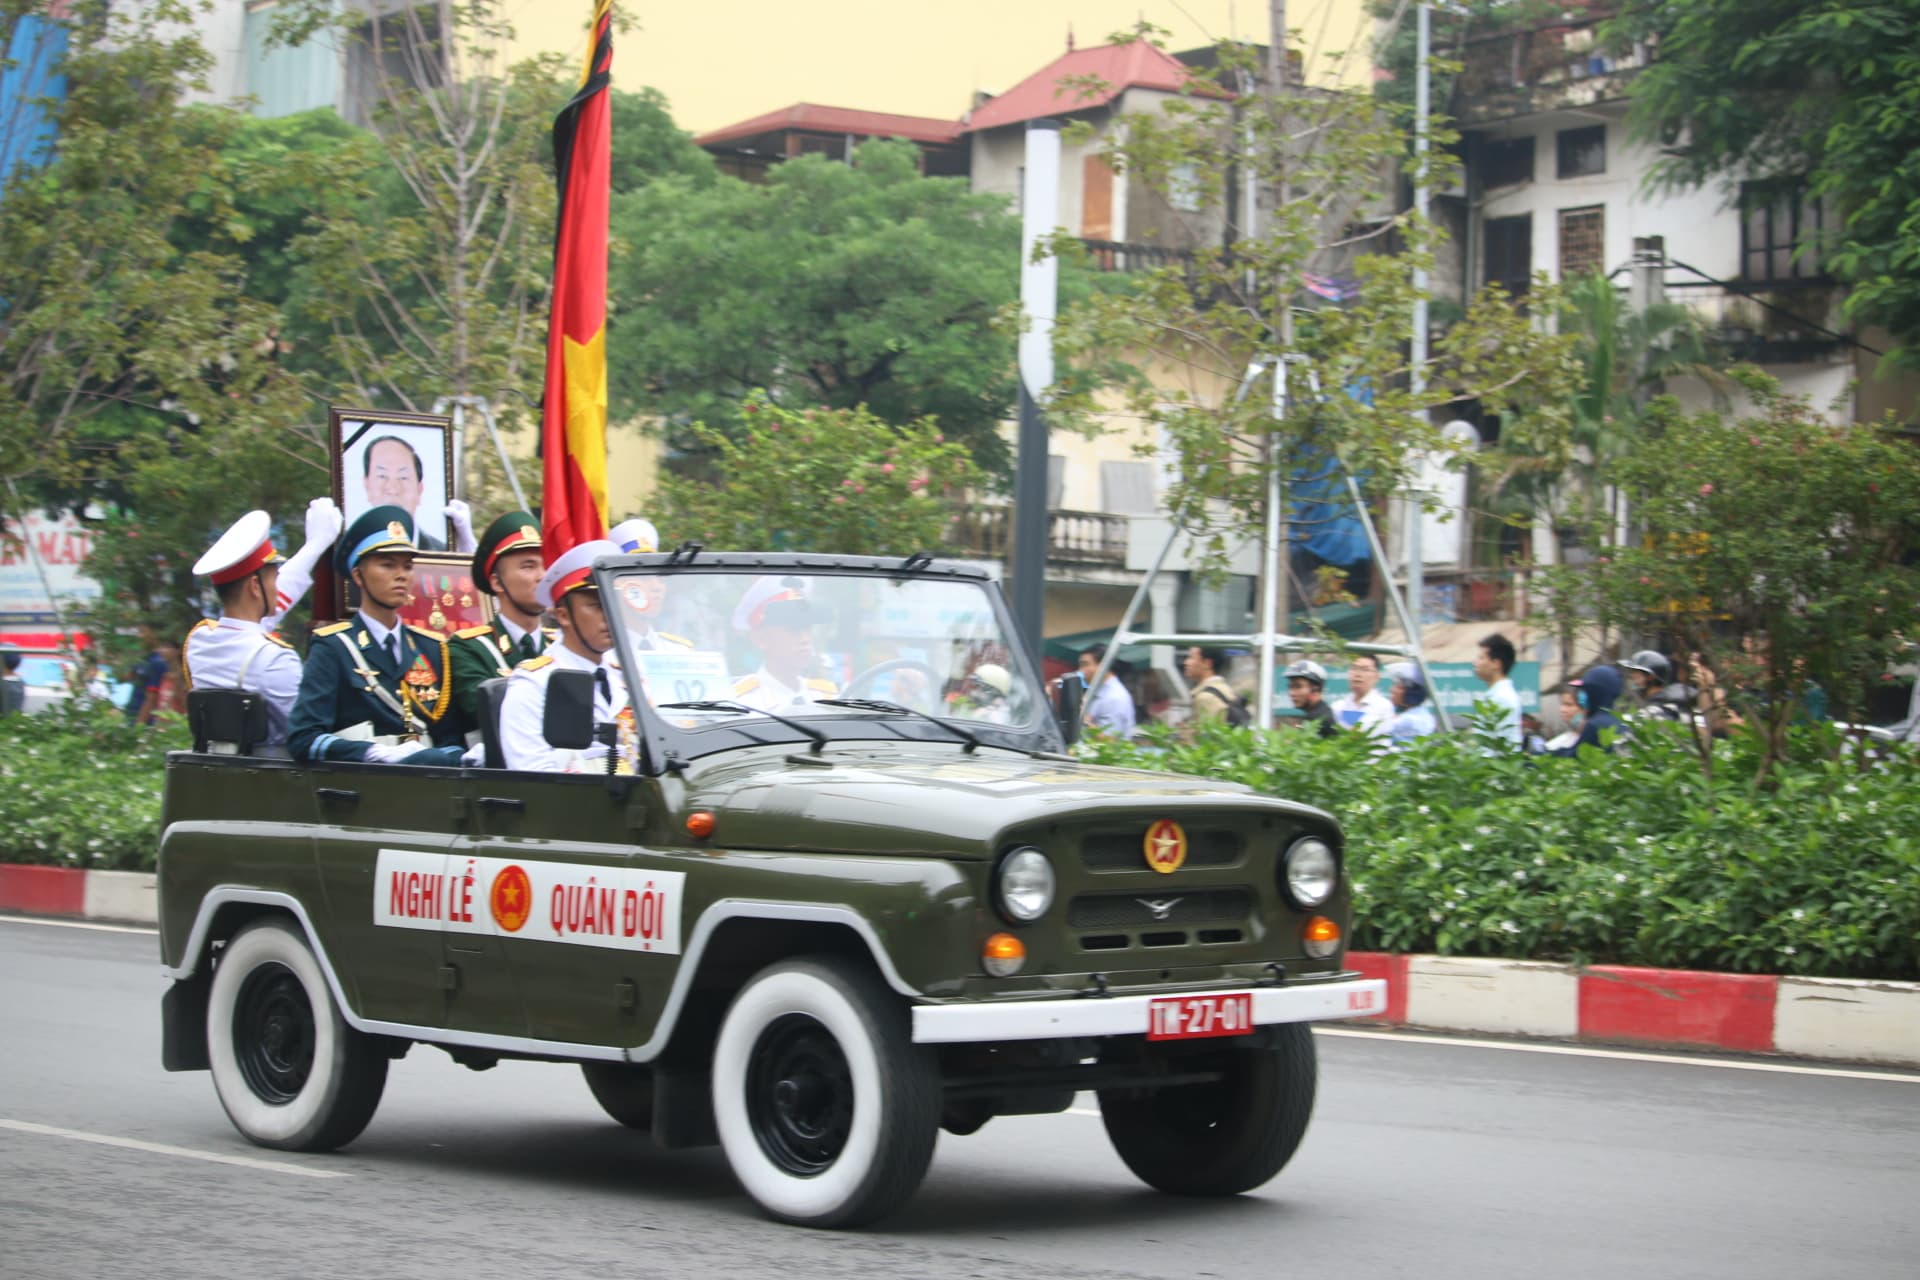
{"type": "Point", "coordinates": [273, 1034]}
{"type": "Point", "coordinates": [799, 1095]}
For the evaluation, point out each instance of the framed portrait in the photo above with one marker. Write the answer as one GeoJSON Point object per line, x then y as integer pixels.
{"type": "Point", "coordinates": [444, 597]}
{"type": "Point", "coordinates": [385, 458]}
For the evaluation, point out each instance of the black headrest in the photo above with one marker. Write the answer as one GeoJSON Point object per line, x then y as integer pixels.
{"type": "Point", "coordinates": [226, 721]}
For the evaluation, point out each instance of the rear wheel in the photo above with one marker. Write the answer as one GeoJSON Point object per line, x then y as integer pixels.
{"type": "Point", "coordinates": [1219, 1139]}
{"type": "Point", "coordinates": [623, 1092]}
{"type": "Point", "coordinates": [827, 1110]}
{"type": "Point", "coordinates": [289, 1070]}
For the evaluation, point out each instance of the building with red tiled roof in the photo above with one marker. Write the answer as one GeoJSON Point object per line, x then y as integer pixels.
{"type": "Point", "coordinates": [1056, 89]}
{"type": "Point", "coordinates": [747, 149]}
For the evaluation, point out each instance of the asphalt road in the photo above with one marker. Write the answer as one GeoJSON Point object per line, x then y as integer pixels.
{"type": "Point", "coordinates": [1426, 1159]}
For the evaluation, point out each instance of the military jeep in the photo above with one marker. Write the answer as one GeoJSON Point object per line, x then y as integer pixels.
{"type": "Point", "coordinates": [834, 889]}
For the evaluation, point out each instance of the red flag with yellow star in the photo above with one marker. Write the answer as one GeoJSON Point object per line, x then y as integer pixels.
{"type": "Point", "coordinates": [573, 434]}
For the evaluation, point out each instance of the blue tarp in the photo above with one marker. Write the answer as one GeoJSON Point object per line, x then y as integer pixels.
{"type": "Point", "coordinates": [30, 79]}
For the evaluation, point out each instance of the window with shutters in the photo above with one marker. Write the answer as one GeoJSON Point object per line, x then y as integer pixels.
{"type": "Point", "coordinates": [1780, 233]}
{"type": "Point", "coordinates": [1583, 240]}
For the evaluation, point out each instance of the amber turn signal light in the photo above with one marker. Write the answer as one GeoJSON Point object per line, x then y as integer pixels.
{"type": "Point", "coordinates": [1002, 955]}
{"type": "Point", "coordinates": [1320, 938]}
{"type": "Point", "coordinates": [700, 824]}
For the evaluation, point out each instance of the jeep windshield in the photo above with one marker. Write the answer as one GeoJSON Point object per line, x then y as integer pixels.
{"type": "Point", "coordinates": [735, 650]}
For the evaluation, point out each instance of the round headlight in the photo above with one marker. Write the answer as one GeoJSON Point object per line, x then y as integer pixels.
{"type": "Point", "coordinates": [1025, 885]}
{"type": "Point", "coordinates": [1311, 872]}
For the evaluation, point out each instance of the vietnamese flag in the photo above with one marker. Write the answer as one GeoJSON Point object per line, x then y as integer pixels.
{"type": "Point", "coordinates": [573, 433]}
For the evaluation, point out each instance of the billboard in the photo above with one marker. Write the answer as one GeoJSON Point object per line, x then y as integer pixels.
{"type": "Point", "coordinates": [40, 561]}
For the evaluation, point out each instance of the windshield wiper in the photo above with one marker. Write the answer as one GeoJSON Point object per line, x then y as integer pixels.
{"type": "Point", "coordinates": [723, 704]}
{"type": "Point", "coordinates": [895, 709]}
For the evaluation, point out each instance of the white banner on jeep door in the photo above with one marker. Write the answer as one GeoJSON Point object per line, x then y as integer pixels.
{"type": "Point", "coordinates": [627, 908]}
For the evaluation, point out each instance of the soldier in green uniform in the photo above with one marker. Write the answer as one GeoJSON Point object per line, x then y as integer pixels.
{"type": "Point", "coordinates": [507, 565]}
{"type": "Point", "coordinates": [375, 688]}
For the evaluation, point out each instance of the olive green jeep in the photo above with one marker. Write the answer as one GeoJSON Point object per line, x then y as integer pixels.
{"type": "Point", "coordinates": [828, 887]}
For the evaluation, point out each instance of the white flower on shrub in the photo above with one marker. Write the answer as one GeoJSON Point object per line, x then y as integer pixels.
{"type": "Point", "coordinates": [1509, 926]}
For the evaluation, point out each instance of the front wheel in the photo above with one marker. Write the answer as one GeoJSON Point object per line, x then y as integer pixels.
{"type": "Point", "coordinates": [827, 1110]}
{"type": "Point", "coordinates": [1222, 1138]}
{"type": "Point", "coordinates": [289, 1070]}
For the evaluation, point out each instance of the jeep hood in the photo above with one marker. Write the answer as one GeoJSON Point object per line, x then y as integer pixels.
{"type": "Point", "coordinates": [935, 803]}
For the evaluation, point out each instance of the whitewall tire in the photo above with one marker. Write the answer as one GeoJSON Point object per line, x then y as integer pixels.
{"type": "Point", "coordinates": [827, 1110]}
{"type": "Point", "coordinates": [289, 1070]}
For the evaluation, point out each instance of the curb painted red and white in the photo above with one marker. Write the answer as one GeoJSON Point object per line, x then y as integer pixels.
{"type": "Point", "coordinates": [1832, 1018]}
{"type": "Point", "coordinates": [1842, 1019]}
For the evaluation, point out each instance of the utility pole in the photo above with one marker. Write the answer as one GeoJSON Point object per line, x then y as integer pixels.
{"type": "Point", "coordinates": [1275, 598]}
{"type": "Point", "coordinates": [1417, 361]}
{"type": "Point", "coordinates": [1039, 290]}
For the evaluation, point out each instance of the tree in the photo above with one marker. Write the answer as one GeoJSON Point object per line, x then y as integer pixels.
{"type": "Point", "coordinates": [1324, 166]}
{"type": "Point", "coordinates": [1783, 549]}
{"type": "Point", "coordinates": [827, 480]}
{"type": "Point", "coordinates": [429, 279]}
{"type": "Point", "coordinates": [1781, 92]}
{"type": "Point", "coordinates": [136, 375]}
{"type": "Point", "coordinates": [830, 285]}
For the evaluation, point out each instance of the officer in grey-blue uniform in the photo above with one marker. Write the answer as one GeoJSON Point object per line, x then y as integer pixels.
{"type": "Point", "coordinates": [375, 688]}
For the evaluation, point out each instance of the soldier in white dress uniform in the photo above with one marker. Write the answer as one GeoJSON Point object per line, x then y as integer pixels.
{"type": "Point", "coordinates": [639, 537]}
{"type": "Point", "coordinates": [239, 650]}
{"type": "Point", "coordinates": [586, 639]}
{"type": "Point", "coordinates": [777, 616]}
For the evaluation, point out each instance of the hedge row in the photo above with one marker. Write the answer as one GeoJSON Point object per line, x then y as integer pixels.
{"type": "Point", "coordinates": [1629, 859]}
{"type": "Point", "coordinates": [80, 787]}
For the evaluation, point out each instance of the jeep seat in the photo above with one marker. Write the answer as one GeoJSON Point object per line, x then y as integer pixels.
{"type": "Point", "coordinates": [492, 693]}
{"type": "Point", "coordinates": [226, 722]}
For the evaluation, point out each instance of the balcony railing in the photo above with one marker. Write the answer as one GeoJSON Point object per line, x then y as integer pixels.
{"type": "Point", "coordinates": [1117, 255]}
{"type": "Point", "coordinates": [1540, 67]}
{"type": "Point", "coordinates": [1073, 537]}
{"type": "Point", "coordinates": [1781, 322]}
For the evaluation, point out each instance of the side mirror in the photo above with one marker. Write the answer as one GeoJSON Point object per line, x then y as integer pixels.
{"type": "Point", "coordinates": [568, 722]}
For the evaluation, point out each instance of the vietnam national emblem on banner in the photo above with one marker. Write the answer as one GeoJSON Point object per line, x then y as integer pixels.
{"type": "Point", "coordinates": [573, 432]}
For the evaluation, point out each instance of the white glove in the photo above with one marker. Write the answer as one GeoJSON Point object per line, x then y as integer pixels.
{"type": "Point", "coordinates": [388, 752]}
{"type": "Point", "coordinates": [323, 523]}
{"type": "Point", "coordinates": [475, 755]}
{"type": "Point", "coordinates": [460, 516]}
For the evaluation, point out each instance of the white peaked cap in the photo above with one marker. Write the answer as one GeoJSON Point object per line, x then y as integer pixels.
{"type": "Point", "coordinates": [242, 548]}
{"type": "Point", "coordinates": [573, 569]}
{"type": "Point", "coordinates": [635, 537]}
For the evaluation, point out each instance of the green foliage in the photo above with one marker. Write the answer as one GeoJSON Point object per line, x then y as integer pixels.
{"type": "Point", "coordinates": [648, 145]}
{"type": "Point", "coordinates": [828, 480]}
{"type": "Point", "coordinates": [829, 285]}
{"type": "Point", "coordinates": [1781, 547]}
{"type": "Point", "coordinates": [1327, 167]}
{"type": "Point", "coordinates": [79, 786]}
{"type": "Point", "coordinates": [1632, 858]}
{"type": "Point", "coordinates": [1780, 90]}
{"type": "Point", "coordinates": [138, 373]}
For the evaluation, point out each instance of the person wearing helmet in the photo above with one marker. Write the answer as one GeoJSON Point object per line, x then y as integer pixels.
{"type": "Point", "coordinates": [1307, 687]}
{"type": "Point", "coordinates": [1596, 691]}
{"type": "Point", "coordinates": [1413, 716]}
{"type": "Point", "coordinates": [1653, 684]}
{"type": "Point", "coordinates": [985, 694]}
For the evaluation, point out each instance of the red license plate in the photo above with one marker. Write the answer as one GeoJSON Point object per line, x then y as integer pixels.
{"type": "Point", "coordinates": [1194, 1017]}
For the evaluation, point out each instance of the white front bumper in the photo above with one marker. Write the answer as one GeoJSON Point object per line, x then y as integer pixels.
{"type": "Point", "coordinates": [1059, 1019]}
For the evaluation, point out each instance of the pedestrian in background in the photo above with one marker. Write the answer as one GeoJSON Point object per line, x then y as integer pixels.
{"type": "Point", "coordinates": [1414, 718]}
{"type": "Point", "coordinates": [1493, 664]}
{"type": "Point", "coordinates": [1212, 697]}
{"type": "Point", "coordinates": [1109, 707]}
{"type": "Point", "coordinates": [1597, 692]}
{"type": "Point", "coordinates": [1363, 706]}
{"type": "Point", "coordinates": [1570, 719]}
{"type": "Point", "coordinates": [13, 686]}
{"type": "Point", "coordinates": [1306, 686]}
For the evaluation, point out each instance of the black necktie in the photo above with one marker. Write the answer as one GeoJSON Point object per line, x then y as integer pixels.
{"type": "Point", "coordinates": [601, 683]}
{"type": "Point", "coordinates": [527, 648]}
{"type": "Point", "coordinates": [393, 649]}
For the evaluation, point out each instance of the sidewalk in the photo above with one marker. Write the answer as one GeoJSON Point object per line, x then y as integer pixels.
{"type": "Point", "coordinates": [1829, 1018]}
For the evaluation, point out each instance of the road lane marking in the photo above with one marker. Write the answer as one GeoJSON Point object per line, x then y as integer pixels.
{"type": "Point", "coordinates": [1629, 1055]}
{"type": "Point", "coordinates": [77, 924]}
{"type": "Point", "coordinates": [162, 1149]}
